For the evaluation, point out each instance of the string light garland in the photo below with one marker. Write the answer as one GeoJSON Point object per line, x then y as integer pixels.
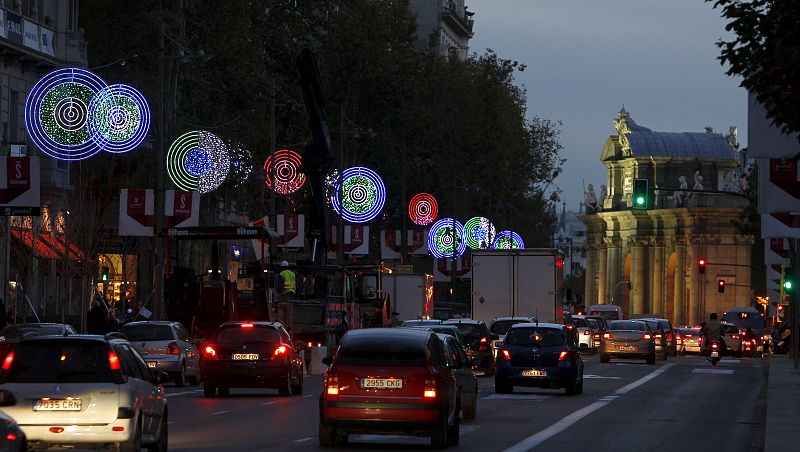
{"type": "Point", "coordinates": [423, 209]}
{"type": "Point", "coordinates": [57, 114]}
{"type": "Point", "coordinates": [480, 233]}
{"type": "Point", "coordinates": [330, 186]}
{"type": "Point", "coordinates": [507, 240]}
{"type": "Point", "coordinates": [119, 119]}
{"type": "Point", "coordinates": [283, 172]}
{"type": "Point", "coordinates": [359, 195]}
{"type": "Point", "coordinates": [198, 161]}
{"type": "Point", "coordinates": [447, 239]}
{"type": "Point", "coordinates": [241, 163]}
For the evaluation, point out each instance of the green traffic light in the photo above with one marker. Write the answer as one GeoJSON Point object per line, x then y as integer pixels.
{"type": "Point", "coordinates": [640, 200]}
{"type": "Point", "coordinates": [787, 285]}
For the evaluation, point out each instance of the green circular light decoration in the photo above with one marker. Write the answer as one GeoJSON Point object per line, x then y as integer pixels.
{"type": "Point", "coordinates": [480, 233]}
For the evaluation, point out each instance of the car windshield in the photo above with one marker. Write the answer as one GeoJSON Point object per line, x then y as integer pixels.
{"type": "Point", "coordinates": [593, 324]}
{"type": "Point", "coordinates": [501, 327]}
{"type": "Point", "coordinates": [15, 332]}
{"type": "Point", "coordinates": [744, 319]}
{"type": "Point", "coordinates": [627, 325]}
{"type": "Point", "coordinates": [448, 330]}
{"type": "Point", "coordinates": [60, 362]}
{"type": "Point", "coordinates": [579, 322]}
{"type": "Point", "coordinates": [237, 334]}
{"type": "Point", "coordinates": [470, 331]}
{"type": "Point", "coordinates": [137, 333]}
{"type": "Point", "coordinates": [527, 337]}
{"type": "Point", "coordinates": [382, 351]}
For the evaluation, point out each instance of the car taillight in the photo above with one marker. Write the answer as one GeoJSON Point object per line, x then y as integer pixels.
{"type": "Point", "coordinates": [735, 336]}
{"type": "Point", "coordinates": [11, 437]}
{"type": "Point", "coordinates": [608, 336]}
{"type": "Point", "coordinates": [210, 352]}
{"type": "Point", "coordinates": [482, 345]}
{"type": "Point", "coordinates": [173, 349]}
{"type": "Point", "coordinates": [646, 337]}
{"type": "Point", "coordinates": [658, 336]}
{"type": "Point", "coordinates": [587, 332]}
{"type": "Point", "coordinates": [597, 336]}
{"type": "Point", "coordinates": [505, 354]}
{"type": "Point", "coordinates": [113, 360]}
{"type": "Point", "coordinates": [563, 355]}
{"type": "Point", "coordinates": [246, 325]}
{"type": "Point", "coordinates": [332, 385]}
{"type": "Point", "coordinates": [669, 336]}
{"type": "Point", "coordinates": [430, 389]}
{"type": "Point", "coordinates": [280, 351]}
{"type": "Point", "coordinates": [9, 359]}
{"type": "Point", "coordinates": [688, 336]}
{"type": "Point", "coordinates": [714, 345]}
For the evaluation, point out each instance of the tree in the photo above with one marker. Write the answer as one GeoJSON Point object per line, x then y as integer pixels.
{"type": "Point", "coordinates": [766, 54]}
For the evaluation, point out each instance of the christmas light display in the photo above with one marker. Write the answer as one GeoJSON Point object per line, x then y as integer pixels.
{"type": "Point", "coordinates": [57, 114]}
{"type": "Point", "coordinates": [359, 195]}
{"type": "Point", "coordinates": [241, 163]}
{"type": "Point", "coordinates": [282, 170]}
{"type": "Point", "coordinates": [447, 239]}
{"type": "Point", "coordinates": [507, 240]}
{"type": "Point", "coordinates": [480, 233]}
{"type": "Point", "coordinates": [198, 161]}
{"type": "Point", "coordinates": [423, 209]}
{"type": "Point", "coordinates": [119, 118]}
{"type": "Point", "coordinates": [330, 186]}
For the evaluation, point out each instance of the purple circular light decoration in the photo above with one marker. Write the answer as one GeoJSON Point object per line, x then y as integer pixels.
{"type": "Point", "coordinates": [446, 242]}
{"type": "Point", "coordinates": [57, 114]}
{"type": "Point", "coordinates": [506, 240]}
{"type": "Point", "coordinates": [423, 209]}
{"type": "Point", "coordinates": [359, 195]}
{"type": "Point", "coordinates": [119, 118]}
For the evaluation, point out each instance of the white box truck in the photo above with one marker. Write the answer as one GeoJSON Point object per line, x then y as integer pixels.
{"type": "Point", "coordinates": [527, 282]}
{"type": "Point", "coordinates": [411, 295]}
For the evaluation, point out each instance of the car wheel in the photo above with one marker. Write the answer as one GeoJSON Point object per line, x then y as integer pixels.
{"type": "Point", "coordinates": [163, 436]}
{"type": "Point", "coordinates": [180, 377]}
{"type": "Point", "coordinates": [223, 391]}
{"type": "Point", "coordinates": [570, 386]}
{"type": "Point", "coordinates": [502, 387]}
{"type": "Point", "coordinates": [209, 390]}
{"type": "Point", "coordinates": [298, 388]}
{"type": "Point", "coordinates": [135, 445]}
{"type": "Point", "coordinates": [472, 410]}
{"type": "Point", "coordinates": [605, 359]}
{"type": "Point", "coordinates": [453, 430]}
{"type": "Point", "coordinates": [651, 359]}
{"type": "Point", "coordinates": [286, 387]}
{"type": "Point", "coordinates": [579, 387]}
{"type": "Point", "coordinates": [327, 435]}
{"type": "Point", "coordinates": [439, 434]}
{"type": "Point", "coordinates": [664, 355]}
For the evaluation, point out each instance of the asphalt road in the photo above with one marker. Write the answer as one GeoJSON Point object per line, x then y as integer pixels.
{"type": "Point", "coordinates": [681, 404]}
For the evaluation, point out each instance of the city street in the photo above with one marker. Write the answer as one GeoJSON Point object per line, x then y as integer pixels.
{"type": "Point", "coordinates": [683, 403]}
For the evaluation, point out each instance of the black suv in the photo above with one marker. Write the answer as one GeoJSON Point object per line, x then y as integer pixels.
{"type": "Point", "coordinates": [479, 341]}
{"type": "Point", "coordinates": [251, 355]}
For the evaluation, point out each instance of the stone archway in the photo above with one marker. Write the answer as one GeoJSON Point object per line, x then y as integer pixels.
{"type": "Point", "coordinates": [626, 293]}
{"type": "Point", "coordinates": [669, 307]}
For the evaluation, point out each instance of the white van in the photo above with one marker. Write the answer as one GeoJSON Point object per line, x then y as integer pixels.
{"type": "Point", "coordinates": [608, 311]}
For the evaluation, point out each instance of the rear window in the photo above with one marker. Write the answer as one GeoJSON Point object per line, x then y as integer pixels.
{"type": "Point", "coordinates": [421, 322]}
{"type": "Point", "coordinates": [501, 327]}
{"type": "Point", "coordinates": [136, 333]}
{"type": "Point", "coordinates": [15, 333]}
{"type": "Point", "coordinates": [237, 334]}
{"type": "Point", "coordinates": [742, 320]}
{"type": "Point", "coordinates": [579, 322]}
{"type": "Point", "coordinates": [541, 337]}
{"type": "Point", "coordinates": [626, 325]}
{"type": "Point", "coordinates": [60, 362]}
{"type": "Point", "coordinates": [470, 331]}
{"type": "Point", "coordinates": [382, 351]}
{"type": "Point", "coordinates": [593, 324]}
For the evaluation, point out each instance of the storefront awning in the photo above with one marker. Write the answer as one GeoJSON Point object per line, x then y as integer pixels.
{"type": "Point", "coordinates": [48, 246]}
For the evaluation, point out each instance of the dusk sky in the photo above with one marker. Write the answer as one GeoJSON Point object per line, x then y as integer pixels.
{"type": "Point", "coordinates": [586, 58]}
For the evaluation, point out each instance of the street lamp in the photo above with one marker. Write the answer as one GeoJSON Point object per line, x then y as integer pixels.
{"type": "Point", "coordinates": [614, 292]}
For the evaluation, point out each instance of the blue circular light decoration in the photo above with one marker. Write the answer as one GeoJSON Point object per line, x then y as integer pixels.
{"type": "Point", "coordinates": [447, 239]}
{"type": "Point", "coordinates": [359, 195]}
{"type": "Point", "coordinates": [57, 114]}
{"type": "Point", "coordinates": [198, 161]}
{"type": "Point", "coordinates": [241, 163]}
{"type": "Point", "coordinates": [119, 118]}
{"type": "Point", "coordinates": [480, 233]}
{"type": "Point", "coordinates": [507, 240]}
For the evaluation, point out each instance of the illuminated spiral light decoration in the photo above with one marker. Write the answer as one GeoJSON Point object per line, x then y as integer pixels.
{"type": "Point", "coordinates": [57, 114]}
{"type": "Point", "coordinates": [198, 161]}
{"type": "Point", "coordinates": [284, 167]}
{"type": "Point", "coordinates": [362, 195]}
{"type": "Point", "coordinates": [330, 186]}
{"type": "Point", "coordinates": [507, 240]}
{"type": "Point", "coordinates": [119, 119]}
{"type": "Point", "coordinates": [480, 233]}
{"type": "Point", "coordinates": [443, 243]}
{"type": "Point", "coordinates": [241, 163]}
{"type": "Point", "coordinates": [423, 209]}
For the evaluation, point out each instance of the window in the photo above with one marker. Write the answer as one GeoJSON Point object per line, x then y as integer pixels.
{"type": "Point", "coordinates": [438, 356]}
{"type": "Point", "coordinates": [627, 325]}
{"type": "Point", "coordinates": [182, 334]}
{"type": "Point", "coordinates": [60, 361]}
{"type": "Point", "coordinates": [382, 351]}
{"type": "Point", "coordinates": [128, 363]}
{"type": "Point", "coordinates": [541, 337]}
{"type": "Point", "coordinates": [237, 335]}
{"type": "Point", "coordinates": [138, 333]}
{"type": "Point", "coordinates": [285, 335]}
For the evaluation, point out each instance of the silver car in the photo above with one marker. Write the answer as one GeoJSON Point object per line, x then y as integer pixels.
{"type": "Point", "coordinates": [9, 430]}
{"type": "Point", "coordinates": [166, 347]}
{"type": "Point", "coordinates": [628, 339]}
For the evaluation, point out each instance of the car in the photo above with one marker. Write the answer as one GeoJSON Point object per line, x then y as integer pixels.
{"type": "Point", "coordinates": [421, 322]}
{"type": "Point", "coordinates": [478, 339]}
{"type": "Point", "coordinates": [445, 329]}
{"type": "Point", "coordinates": [659, 336]}
{"type": "Point", "coordinates": [465, 379]}
{"type": "Point", "coordinates": [85, 391]}
{"type": "Point", "coordinates": [733, 340]}
{"type": "Point", "coordinates": [499, 326]}
{"type": "Point", "coordinates": [689, 340]}
{"type": "Point", "coordinates": [12, 334]}
{"type": "Point", "coordinates": [584, 333]}
{"type": "Point", "coordinates": [251, 355]}
{"type": "Point", "coordinates": [670, 334]}
{"type": "Point", "coordinates": [597, 332]}
{"type": "Point", "coordinates": [166, 347]}
{"type": "Point", "coordinates": [631, 339]}
{"type": "Point", "coordinates": [13, 438]}
{"type": "Point", "coordinates": [602, 322]}
{"type": "Point", "coordinates": [542, 355]}
{"type": "Point", "coordinates": [405, 371]}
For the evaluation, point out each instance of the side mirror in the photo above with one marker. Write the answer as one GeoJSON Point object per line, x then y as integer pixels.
{"type": "Point", "coordinates": [327, 360]}
{"type": "Point", "coordinates": [161, 377]}
{"type": "Point", "coordinates": [7, 398]}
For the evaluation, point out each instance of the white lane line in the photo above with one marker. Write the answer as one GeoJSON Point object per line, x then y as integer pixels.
{"type": "Point", "coordinates": [467, 428]}
{"type": "Point", "coordinates": [704, 370]}
{"type": "Point", "coordinates": [307, 396]}
{"type": "Point", "coordinates": [570, 420]}
{"type": "Point", "coordinates": [590, 376]}
{"type": "Point", "coordinates": [529, 397]}
{"type": "Point", "coordinates": [182, 393]}
{"type": "Point", "coordinates": [303, 440]}
{"type": "Point", "coordinates": [268, 403]}
{"type": "Point", "coordinates": [220, 412]}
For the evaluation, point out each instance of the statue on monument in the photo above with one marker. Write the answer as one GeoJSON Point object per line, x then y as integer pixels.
{"type": "Point", "coordinates": [590, 200]}
{"type": "Point", "coordinates": [680, 195]}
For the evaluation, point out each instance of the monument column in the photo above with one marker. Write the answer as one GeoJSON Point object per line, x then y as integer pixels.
{"type": "Point", "coordinates": [679, 305]}
{"type": "Point", "coordinates": [657, 277]}
{"type": "Point", "coordinates": [602, 271]}
{"type": "Point", "coordinates": [638, 278]}
{"type": "Point", "coordinates": [589, 286]}
{"type": "Point", "coordinates": [613, 268]}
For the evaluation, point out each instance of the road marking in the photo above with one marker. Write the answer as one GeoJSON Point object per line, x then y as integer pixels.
{"type": "Point", "coordinates": [307, 396]}
{"type": "Point", "coordinates": [570, 420]}
{"type": "Point", "coordinates": [303, 440]}
{"type": "Point", "coordinates": [183, 393]}
{"type": "Point", "coordinates": [609, 398]}
{"type": "Point", "coordinates": [467, 428]}
{"type": "Point", "coordinates": [220, 412]}
{"type": "Point", "coordinates": [530, 397]}
{"type": "Point", "coordinates": [370, 438]}
{"type": "Point", "coordinates": [268, 403]}
{"type": "Point", "coordinates": [590, 376]}
{"type": "Point", "coordinates": [705, 370]}
{"type": "Point", "coordinates": [730, 361]}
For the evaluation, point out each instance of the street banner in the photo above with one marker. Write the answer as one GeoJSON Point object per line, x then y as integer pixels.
{"type": "Point", "coordinates": [290, 230]}
{"type": "Point", "coordinates": [443, 268]}
{"type": "Point", "coordinates": [181, 209]}
{"type": "Point", "coordinates": [14, 28]}
{"type": "Point", "coordinates": [356, 240]}
{"type": "Point", "coordinates": [46, 41]}
{"type": "Point", "coordinates": [20, 186]}
{"type": "Point", "coordinates": [136, 212]}
{"type": "Point", "coordinates": [30, 37]}
{"type": "Point", "coordinates": [780, 225]}
{"type": "Point", "coordinates": [391, 246]}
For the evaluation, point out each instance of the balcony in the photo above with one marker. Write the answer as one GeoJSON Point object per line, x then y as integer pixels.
{"type": "Point", "coordinates": [457, 20]}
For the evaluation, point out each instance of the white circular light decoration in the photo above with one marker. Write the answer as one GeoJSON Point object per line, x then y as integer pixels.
{"type": "Point", "coordinates": [507, 240]}
{"type": "Point", "coordinates": [198, 161]}
{"type": "Point", "coordinates": [120, 118]}
{"type": "Point", "coordinates": [241, 163]}
{"type": "Point", "coordinates": [480, 233]}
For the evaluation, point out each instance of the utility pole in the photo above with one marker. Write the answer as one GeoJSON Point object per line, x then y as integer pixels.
{"type": "Point", "coordinates": [158, 245]}
{"type": "Point", "coordinates": [404, 214]}
{"type": "Point", "coordinates": [340, 188]}
{"type": "Point", "coordinates": [793, 308]}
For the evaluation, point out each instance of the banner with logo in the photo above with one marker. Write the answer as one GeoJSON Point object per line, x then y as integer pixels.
{"type": "Point", "coordinates": [290, 230]}
{"type": "Point", "coordinates": [14, 28]}
{"type": "Point", "coordinates": [136, 212]}
{"type": "Point", "coordinates": [356, 240]}
{"type": "Point", "coordinates": [181, 209]}
{"type": "Point", "coordinates": [19, 186]}
{"type": "Point", "coordinates": [391, 246]}
{"type": "Point", "coordinates": [3, 23]}
{"type": "Point", "coordinates": [46, 44]}
{"type": "Point", "coordinates": [30, 37]}
{"type": "Point", "coordinates": [443, 268]}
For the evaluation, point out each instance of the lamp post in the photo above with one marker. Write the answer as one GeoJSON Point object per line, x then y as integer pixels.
{"type": "Point", "coordinates": [614, 292]}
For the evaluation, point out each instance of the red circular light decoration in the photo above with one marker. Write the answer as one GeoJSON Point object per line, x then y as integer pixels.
{"type": "Point", "coordinates": [423, 209]}
{"type": "Point", "coordinates": [283, 167]}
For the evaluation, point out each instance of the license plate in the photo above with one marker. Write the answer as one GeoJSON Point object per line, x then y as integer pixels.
{"type": "Point", "coordinates": [245, 356]}
{"type": "Point", "coordinates": [627, 348]}
{"type": "Point", "coordinates": [57, 405]}
{"type": "Point", "coordinates": [381, 383]}
{"type": "Point", "coordinates": [715, 354]}
{"type": "Point", "coordinates": [152, 364]}
{"type": "Point", "coordinates": [534, 373]}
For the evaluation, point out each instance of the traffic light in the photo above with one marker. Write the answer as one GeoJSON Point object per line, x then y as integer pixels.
{"type": "Point", "coordinates": [721, 286]}
{"type": "Point", "coordinates": [701, 265]}
{"type": "Point", "coordinates": [787, 286]}
{"type": "Point", "coordinates": [641, 194]}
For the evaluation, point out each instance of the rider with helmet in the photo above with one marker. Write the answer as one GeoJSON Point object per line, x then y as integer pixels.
{"type": "Point", "coordinates": [713, 332]}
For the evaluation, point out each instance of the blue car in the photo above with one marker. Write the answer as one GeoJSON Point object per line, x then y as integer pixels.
{"type": "Point", "coordinates": [539, 355]}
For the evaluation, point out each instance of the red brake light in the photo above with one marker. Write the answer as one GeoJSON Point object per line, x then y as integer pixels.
{"type": "Point", "coordinates": [669, 336]}
{"type": "Point", "coordinates": [646, 337]}
{"type": "Point", "coordinates": [563, 355]}
{"type": "Point", "coordinates": [11, 437]}
{"type": "Point", "coordinates": [310, 344]}
{"type": "Point", "coordinates": [506, 354]}
{"type": "Point", "coordinates": [246, 325]}
{"type": "Point", "coordinates": [118, 429]}
{"type": "Point", "coordinates": [587, 332]}
{"type": "Point", "coordinates": [430, 389]}
{"type": "Point", "coordinates": [56, 429]}
{"type": "Point", "coordinates": [8, 360]}
{"type": "Point", "coordinates": [113, 360]}
{"type": "Point", "coordinates": [280, 350]}
{"type": "Point", "coordinates": [210, 352]}
{"type": "Point", "coordinates": [483, 339]}
{"type": "Point", "coordinates": [173, 349]}
{"type": "Point", "coordinates": [332, 385]}
{"type": "Point", "coordinates": [608, 336]}
{"type": "Point", "coordinates": [735, 336]}
{"type": "Point", "coordinates": [714, 345]}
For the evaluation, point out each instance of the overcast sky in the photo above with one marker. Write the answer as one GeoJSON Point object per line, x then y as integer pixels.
{"type": "Point", "coordinates": [586, 58]}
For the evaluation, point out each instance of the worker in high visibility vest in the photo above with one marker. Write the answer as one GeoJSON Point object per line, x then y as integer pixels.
{"type": "Point", "coordinates": [287, 284]}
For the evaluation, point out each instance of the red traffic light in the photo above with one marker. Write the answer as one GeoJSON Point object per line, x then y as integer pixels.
{"type": "Point", "coordinates": [701, 265]}
{"type": "Point", "coordinates": [721, 286]}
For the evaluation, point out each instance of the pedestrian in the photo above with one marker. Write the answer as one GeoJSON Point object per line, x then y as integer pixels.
{"type": "Point", "coordinates": [96, 322]}
{"type": "Point", "coordinates": [286, 283]}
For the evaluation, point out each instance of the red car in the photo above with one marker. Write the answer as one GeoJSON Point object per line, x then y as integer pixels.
{"type": "Point", "coordinates": [388, 381]}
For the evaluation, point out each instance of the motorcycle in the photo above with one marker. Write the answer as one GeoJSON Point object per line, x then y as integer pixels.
{"type": "Point", "coordinates": [749, 347]}
{"type": "Point", "coordinates": [716, 352]}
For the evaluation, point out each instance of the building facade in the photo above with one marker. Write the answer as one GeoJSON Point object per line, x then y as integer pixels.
{"type": "Point", "coordinates": [445, 24]}
{"type": "Point", "coordinates": [647, 260]}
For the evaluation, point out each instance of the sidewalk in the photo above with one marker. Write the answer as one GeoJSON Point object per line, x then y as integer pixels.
{"type": "Point", "coordinates": [783, 405]}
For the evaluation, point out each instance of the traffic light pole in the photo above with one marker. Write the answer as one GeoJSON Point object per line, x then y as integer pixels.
{"type": "Point", "coordinates": [793, 311]}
